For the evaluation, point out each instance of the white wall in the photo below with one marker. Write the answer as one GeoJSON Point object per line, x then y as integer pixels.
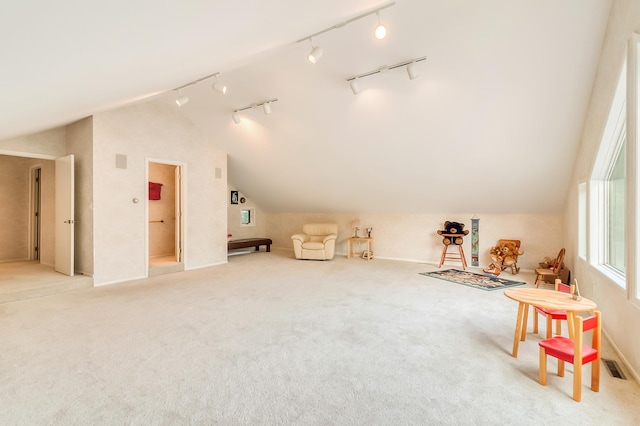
{"type": "Point", "coordinates": [620, 315]}
{"type": "Point", "coordinates": [257, 230]}
{"type": "Point", "coordinates": [157, 132]}
{"type": "Point", "coordinates": [14, 208]}
{"type": "Point", "coordinates": [413, 237]}
{"type": "Point", "coordinates": [51, 144]}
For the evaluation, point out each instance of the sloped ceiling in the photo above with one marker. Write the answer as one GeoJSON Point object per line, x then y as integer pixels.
{"type": "Point", "coordinates": [492, 124]}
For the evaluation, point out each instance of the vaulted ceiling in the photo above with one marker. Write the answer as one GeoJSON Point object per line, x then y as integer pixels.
{"type": "Point", "coordinates": [492, 124]}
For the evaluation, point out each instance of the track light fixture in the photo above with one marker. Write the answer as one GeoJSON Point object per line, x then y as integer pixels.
{"type": "Point", "coordinates": [355, 87]}
{"type": "Point", "coordinates": [380, 31]}
{"type": "Point", "coordinates": [266, 107]}
{"type": "Point", "coordinates": [412, 71]}
{"type": "Point", "coordinates": [181, 99]}
{"type": "Point", "coordinates": [217, 86]}
{"type": "Point", "coordinates": [315, 54]}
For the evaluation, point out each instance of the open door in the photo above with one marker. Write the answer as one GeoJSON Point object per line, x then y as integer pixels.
{"type": "Point", "coordinates": [64, 229]}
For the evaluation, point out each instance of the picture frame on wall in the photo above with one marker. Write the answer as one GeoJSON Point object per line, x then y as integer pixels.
{"type": "Point", "coordinates": [234, 197]}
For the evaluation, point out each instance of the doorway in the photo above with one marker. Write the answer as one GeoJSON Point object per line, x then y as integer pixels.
{"type": "Point", "coordinates": [165, 217]}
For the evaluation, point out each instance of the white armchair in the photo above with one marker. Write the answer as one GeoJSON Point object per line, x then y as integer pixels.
{"type": "Point", "coordinates": [316, 242]}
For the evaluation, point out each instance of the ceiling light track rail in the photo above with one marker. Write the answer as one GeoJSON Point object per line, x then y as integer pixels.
{"type": "Point", "coordinates": [348, 21]}
{"type": "Point", "coordinates": [256, 105]}
{"type": "Point", "coordinates": [181, 100]}
{"type": "Point", "coordinates": [385, 68]}
{"type": "Point", "coordinates": [266, 107]}
{"type": "Point", "coordinates": [215, 74]}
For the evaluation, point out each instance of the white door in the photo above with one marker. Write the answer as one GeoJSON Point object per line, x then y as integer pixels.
{"type": "Point", "coordinates": [64, 215]}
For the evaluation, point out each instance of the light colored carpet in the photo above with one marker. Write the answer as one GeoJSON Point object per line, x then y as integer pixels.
{"type": "Point", "coordinates": [267, 339]}
{"type": "Point", "coordinates": [29, 279]}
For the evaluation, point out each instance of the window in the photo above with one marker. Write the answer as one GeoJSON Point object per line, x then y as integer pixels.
{"type": "Point", "coordinates": [247, 217]}
{"type": "Point", "coordinates": [607, 192]}
{"type": "Point", "coordinates": [582, 220]}
{"type": "Point", "coordinates": [615, 201]}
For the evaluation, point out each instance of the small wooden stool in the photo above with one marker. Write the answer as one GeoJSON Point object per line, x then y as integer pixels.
{"type": "Point", "coordinates": [453, 256]}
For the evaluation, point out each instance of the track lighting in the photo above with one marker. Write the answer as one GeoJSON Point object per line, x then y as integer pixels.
{"type": "Point", "coordinates": [219, 87]}
{"type": "Point", "coordinates": [315, 54]}
{"type": "Point", "coordinates": [266, 107]}
{"type": "Point", "coordinates": [412, 71]}
{"type": "Point", "coordinates": [181, 100]}
{"type": "Point", "coordinates": [216, 86]}
{"type": "Point", "coordinates": [355, 87]}
{"type": "Point", "coordinates": [380, 31]}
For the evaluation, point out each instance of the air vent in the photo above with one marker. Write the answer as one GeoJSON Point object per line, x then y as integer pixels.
{"type": "Point", "coordinates": [614, 369]}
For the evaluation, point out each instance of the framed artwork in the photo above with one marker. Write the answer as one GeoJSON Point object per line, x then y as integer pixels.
{"type": "Point", "coordinates": [234, 197]}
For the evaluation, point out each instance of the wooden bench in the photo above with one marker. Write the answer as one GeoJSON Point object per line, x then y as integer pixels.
{"type": "Point", "coordinates": [250, 242]}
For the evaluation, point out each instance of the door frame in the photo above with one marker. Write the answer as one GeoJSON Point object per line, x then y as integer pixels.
{"type": "Point", "coordinates": [36, 155]}
{"type": "Point", "coordinates": [35, 211]}
{"type": "Point", "coordinates": [180, 190]}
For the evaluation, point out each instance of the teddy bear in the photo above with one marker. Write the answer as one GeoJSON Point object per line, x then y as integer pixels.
{"type": "Point", "coordinates": [496, 266]}
{"type": "Point", "coordinates": [453, 233]}
{"type": "Point", "coordinates": [504, 255]}
{"type": "Point", "coordinates": [510, 253]}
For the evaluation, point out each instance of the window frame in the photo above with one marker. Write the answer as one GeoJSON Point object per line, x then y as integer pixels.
{"type": "Point", "coordinates": [583, 223]}
{"type": "Point", "coordinates": [613, 139]}
{"type": "Point", "coordinates": [252, 217]}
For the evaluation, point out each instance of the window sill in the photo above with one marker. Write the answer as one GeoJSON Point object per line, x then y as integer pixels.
{"type": "Point", "coordinates": [613, 275]}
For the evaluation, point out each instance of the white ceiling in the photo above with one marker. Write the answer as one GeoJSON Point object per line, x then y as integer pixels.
{"type": "Point", "coordinates": [492, 125]}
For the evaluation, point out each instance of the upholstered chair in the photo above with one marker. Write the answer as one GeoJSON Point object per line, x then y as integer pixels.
{"type": "Point", "coordinates": [316, 242]}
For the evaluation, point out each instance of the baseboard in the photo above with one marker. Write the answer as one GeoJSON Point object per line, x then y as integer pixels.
{"type": "Point", "coordinates": [631, 371]}
{"type": "Point", "coordinates": [208, 265]}
{"type": "Point", "coordinates": [142, 277]}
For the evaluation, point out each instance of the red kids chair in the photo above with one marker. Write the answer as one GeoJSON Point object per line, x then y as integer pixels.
{"type": "Point", "coordinates": [573, 351]}
{"type": "Point", "coordinates": [552, 314]}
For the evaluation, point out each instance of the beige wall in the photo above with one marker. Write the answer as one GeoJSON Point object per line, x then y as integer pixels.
{"type": "Point", "coordinates": [14, 208]}
{"type": "Point", "coordinates": [413, 237]}
{"type": "Point", "coordinates": [156, 132]}
{"type": "Point", "coordinates": [111, 229]}
{"type": "Point", "coordinates": [51, 144]}
{"type": "Point", "coordinates": [41, 147]}
{"type": "Point", "coordinates": [620, 314]}
{"type": "Point", "coordinates": [258, 229]}
{"type": "Point", "coordinates": [162, 212]}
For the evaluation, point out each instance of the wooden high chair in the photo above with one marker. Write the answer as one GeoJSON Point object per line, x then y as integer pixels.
{"type": "Point", "coordinates": [453, 256]}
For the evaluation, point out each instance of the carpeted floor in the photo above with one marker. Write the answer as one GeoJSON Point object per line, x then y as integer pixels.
{"type": "Point", "coordinates": [267, 339]}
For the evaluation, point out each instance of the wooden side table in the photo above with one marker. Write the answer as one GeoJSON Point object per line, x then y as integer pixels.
{"type": "Point", "coordinates": [357, 240]}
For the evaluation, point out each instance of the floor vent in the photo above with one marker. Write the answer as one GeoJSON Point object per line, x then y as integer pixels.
{"type": "Point", "coordinates": [614, 369]}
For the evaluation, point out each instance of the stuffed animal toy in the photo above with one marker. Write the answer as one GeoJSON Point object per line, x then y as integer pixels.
{"type": "Point", "coordinates": [504, 255]}
{"type": "Point", "coordinates": [493, 269]}
{"type": "Point", "coordinates": [452, 233]}
{"type": "Point", "coordinates": [510, 253]}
